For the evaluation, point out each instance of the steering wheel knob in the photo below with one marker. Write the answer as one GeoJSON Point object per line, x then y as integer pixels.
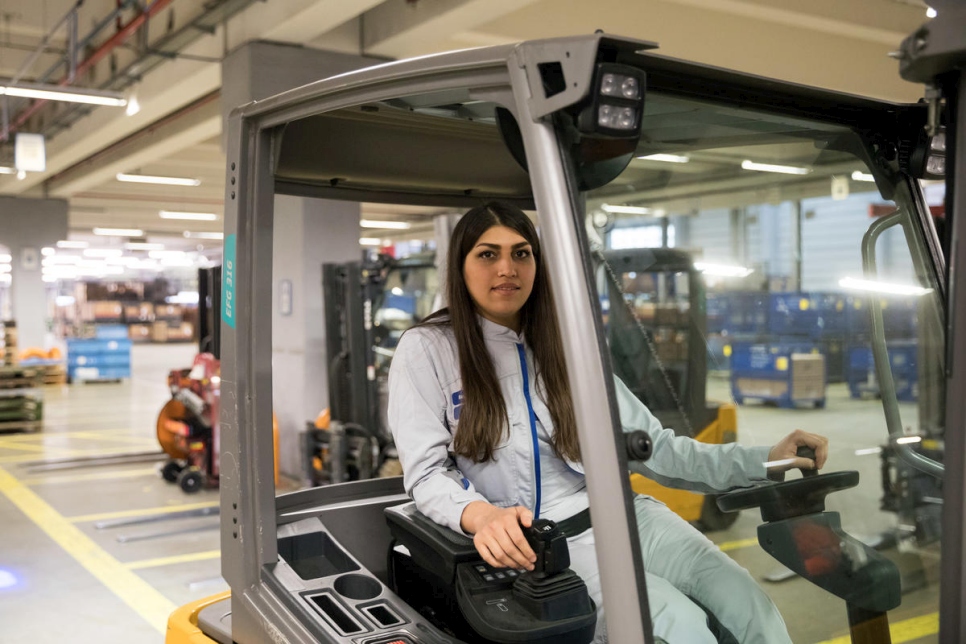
{"type": "Point", "coordinates": [804, 451]}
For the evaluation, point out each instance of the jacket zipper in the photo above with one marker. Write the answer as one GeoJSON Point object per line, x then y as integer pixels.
{"type": "Point", "coordinates": [533, 426]}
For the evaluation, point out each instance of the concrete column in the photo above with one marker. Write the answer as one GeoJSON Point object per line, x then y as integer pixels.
{"type": "Point", "coordinates": [308, 233]}
{"type": "Point", "coordinates": [26, 226]}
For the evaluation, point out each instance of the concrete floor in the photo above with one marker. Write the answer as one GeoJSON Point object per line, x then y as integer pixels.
{"type": "Point", "coordinates": [64, 579]}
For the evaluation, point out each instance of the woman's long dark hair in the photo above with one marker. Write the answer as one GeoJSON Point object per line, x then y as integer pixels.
{"type": "Point", "coordinates": [483, 418]}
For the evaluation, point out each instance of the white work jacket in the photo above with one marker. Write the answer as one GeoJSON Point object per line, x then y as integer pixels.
{"type": "Point", "coordinates": [425, 396]}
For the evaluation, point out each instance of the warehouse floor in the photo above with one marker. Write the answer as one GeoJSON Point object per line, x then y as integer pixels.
{"type": "Point", "coordinates": [66, 576]}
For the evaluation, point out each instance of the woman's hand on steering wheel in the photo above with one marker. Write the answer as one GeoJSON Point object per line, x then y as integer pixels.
{"type": "Point", "coordinates": [497, 534]}
{"type": "Point", "coordinates": [783, 456]}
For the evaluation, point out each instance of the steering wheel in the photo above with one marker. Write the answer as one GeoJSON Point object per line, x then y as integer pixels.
{"type": "Point", "coordinates": [790, 498]}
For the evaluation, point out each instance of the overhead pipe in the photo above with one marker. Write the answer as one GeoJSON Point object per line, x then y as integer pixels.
{"type": "Point", "coordinates": [96, 56]}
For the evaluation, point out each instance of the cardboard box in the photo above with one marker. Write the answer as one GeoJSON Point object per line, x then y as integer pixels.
{"type": "Point", "coordinates": [140, 312]}
{"type": "Point", "coordinates": [808, 376]}
{"type": "Point", "coordinates": [762, 388]}
{"type": "Point", "coordinates": [139, 332]}
{"type": "Point", "coordinates": [167, 311]}
{"type": "Point", "coordinates": [159, 332]}
{"type": "Point", "coordinates": [106, 311]}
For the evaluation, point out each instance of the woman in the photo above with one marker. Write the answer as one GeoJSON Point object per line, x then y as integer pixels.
{"type": "Point", "coordinates": [480, 410]}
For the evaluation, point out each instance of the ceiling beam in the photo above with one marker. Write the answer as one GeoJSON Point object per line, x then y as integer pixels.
{"type": "Point", "coordinates": [316, 19]}
{"type": "Point", "coordinates": [799, 19]}
{"type": "Point", "coordinates": [400, 28]}
{"type": "Point", "coordinates": [177, 132]}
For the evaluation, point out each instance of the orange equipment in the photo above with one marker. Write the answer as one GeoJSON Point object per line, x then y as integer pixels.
{"type": "Point", "coordinates": [187, 426]}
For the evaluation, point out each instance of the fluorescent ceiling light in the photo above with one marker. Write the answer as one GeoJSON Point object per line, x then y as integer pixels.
{"type": "Point", "coordinates": [770, 167]}
{"type": "Point", "coordinates": [370, 241]}
{"type": "Point", "coordinates": [862, 176]}
{"type": "Point", "coordinates": [72, 244]}
{"type": "Point", "coordinates": [55, 260]}
{"type": "Point", "coordinates": [192, 216]}
{"type": "Point", "coordinates": [667, 158]}
{"type": "Point", "coordinates": [143, 246]}
{"type": "Point", "coordinates": [882, 287]}
{"type": "Point", "coordinates": [183, 297]}
{"type": "Point", "coordinates": [626, 210]}
{"type": "Point", "coordinates": [7, 170]}
{"type": "Point", "coordinates": [102, 252]}
{"type": "Point", "coordinates": [193, 235]}
{"type": "Point", "coordinates": [395, 225]}
{"type": "Point", "coordinates": [67, 94]}
{"type": "Point", "coordinates": [164, 181]}
{"type": "Point", "coordinates": [162, 254]}
{"type": "Point", "coordinates": [119, 232]}
{"type": "Point", "coordinates": [723, 270]}
{"type": "Point", "coordinates": [6, 258]}
{"type": "Point", "coordinates": [133, 105]}
{"type": "Point", "coordinates": [47, 251]}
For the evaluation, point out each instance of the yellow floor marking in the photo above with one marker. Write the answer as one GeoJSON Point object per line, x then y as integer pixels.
{"type": "Point", "coordinates": [141, 512]}
{"type": "Point", "coordinates": [167, 561]}
{"type": "Point", "coordinates": [129, 588]}
{"type": "Point", "coordinates": [91, 476]}
{"type": "Point", "coordinates": [735, 545]}
{"type": "Point", "coordinates": [25, 448]}
{"type": "Point", "coordinates": [907, 630]}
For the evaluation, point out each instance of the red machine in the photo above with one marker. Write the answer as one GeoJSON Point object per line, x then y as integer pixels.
{"type": "Point", "coordinates": [188, 425]}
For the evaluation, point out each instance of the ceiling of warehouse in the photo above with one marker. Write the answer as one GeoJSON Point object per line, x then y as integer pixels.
{"type": "Point", "coordinates": [171, 57]}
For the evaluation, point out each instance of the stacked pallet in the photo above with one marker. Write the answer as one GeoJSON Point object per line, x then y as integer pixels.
{"type": "Point", "coordinates": [9, 340]}
{"type": "Point", "coordinates": [21, 403]}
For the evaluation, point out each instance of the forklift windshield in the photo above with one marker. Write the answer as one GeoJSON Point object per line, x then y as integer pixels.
{"type": "Point", "coordinates": [746, 256]}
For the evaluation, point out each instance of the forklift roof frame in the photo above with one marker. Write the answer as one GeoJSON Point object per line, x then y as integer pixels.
{"type": "Point", "coordinates": [506, 74]}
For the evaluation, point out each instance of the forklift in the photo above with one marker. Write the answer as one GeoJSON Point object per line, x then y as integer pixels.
{"type": "Point", "coordinates": [187, 426]}
{"type": "Point", "coordinates": [555, 126]}
{"type": "Point", "coordinates": [656, 330]}
{"type": "Point", "coordinates": [368, 304]}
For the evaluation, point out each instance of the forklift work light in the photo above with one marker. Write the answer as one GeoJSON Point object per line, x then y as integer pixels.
{"type": "Point", "coordinates": [615, 109]}
{"type": "Point", "coordinates": [620, 85]}
{"type": "Point", "coordinates": [927, 158]}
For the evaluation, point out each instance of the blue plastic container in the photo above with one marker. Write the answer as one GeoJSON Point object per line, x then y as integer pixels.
{"type": "Point", "coordinates": [903, 362]}
{"type": "Point", "coordinates": [764, 371]}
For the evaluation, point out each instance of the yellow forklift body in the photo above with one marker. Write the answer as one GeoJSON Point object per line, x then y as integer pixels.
{"type": "Point", "coordinates": [688, 505]}
{"type": "Point", "coordinates": [183, 624]}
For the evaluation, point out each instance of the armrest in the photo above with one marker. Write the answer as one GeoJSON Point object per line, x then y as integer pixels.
{"type": "Point", "coordinates": [433, 547]}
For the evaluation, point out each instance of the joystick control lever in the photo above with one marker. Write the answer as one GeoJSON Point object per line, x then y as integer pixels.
{"type": "Point", "coordinates": [550, 546]}
{"type": "Point", "coordinates": [804, 451]}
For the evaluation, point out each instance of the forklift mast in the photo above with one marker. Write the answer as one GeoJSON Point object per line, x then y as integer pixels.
{"type": "Point", "coordinates": [657, 327]}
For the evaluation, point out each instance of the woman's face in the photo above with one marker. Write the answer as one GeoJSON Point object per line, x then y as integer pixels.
{"type": "Point", "coordinates": [499, 272]}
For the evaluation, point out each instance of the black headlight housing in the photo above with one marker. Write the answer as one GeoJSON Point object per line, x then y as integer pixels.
{"type": "Point", "coordinates": [616, 102]}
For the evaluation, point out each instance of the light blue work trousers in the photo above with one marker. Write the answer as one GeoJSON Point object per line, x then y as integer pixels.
{"type": "Point", "coordinates": [681, 563]}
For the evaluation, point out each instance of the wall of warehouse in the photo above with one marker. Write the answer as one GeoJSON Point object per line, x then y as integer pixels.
{"type": "Point", "coordinates": [763, 237]}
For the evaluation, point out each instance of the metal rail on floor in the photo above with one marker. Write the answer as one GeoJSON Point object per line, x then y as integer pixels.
{"type": "Point", "coordinates": [53, 465]}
